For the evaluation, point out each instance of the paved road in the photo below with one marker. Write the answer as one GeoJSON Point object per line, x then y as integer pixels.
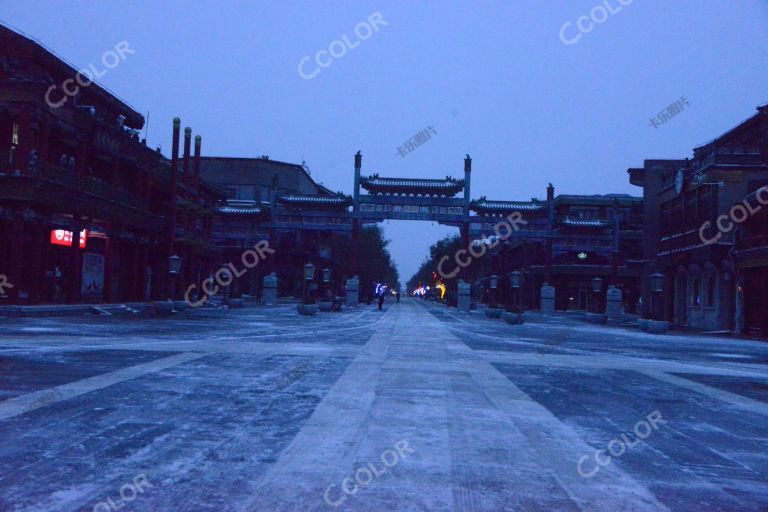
{"type": "Point", "coordinates": [416, 408]}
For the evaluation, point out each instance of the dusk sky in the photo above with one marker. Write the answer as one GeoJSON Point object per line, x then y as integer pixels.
{"type": "Point", "coordinates": [493, 79]}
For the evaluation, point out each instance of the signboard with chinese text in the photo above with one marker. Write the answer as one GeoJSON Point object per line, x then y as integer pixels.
{"type": "Point", "coordinates": [63, 237]}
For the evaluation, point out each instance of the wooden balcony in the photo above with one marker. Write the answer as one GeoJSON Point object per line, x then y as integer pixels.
{"type": "Point", "coordinates": [728, 155]}
{"type": "Point", "coordinates": [59, 190]}
{"type": "Point", "coordinates": [680, 241]}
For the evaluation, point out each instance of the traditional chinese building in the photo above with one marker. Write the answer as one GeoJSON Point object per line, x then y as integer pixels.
{"type": "Point", "coordinates": [566, 241]}
{"type": "Point", "coordinates": [280, 203]}
{"type": "Point", "coordinates": [88, 212]}
{"type": "Point", "coordinates": [750, 255]}
{"type": "Point", "coordinates": [704, 231]}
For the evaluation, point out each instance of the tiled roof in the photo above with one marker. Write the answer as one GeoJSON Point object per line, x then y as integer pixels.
{"type": "Point", "coordinates": [485, 206]}
{"type": "Point", "coordinates": [447, 186]}
{"type": "Point", "coordinates": [585, 223]}
{"type": "Point", "coordinates": [302, 200]}
{"type": "Point", "coordinates": [240, 209]}
{"type": "Point", "coordinates": [36, 51]}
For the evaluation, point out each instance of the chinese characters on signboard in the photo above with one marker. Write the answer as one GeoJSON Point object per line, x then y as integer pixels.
{"type": "Point", "coordinates": [411, 208]}
{"type": "Point", "coordinates": [63, 237]}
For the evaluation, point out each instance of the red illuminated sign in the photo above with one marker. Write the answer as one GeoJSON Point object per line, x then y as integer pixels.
{"type": "Point", "coordinates": [63, 237]}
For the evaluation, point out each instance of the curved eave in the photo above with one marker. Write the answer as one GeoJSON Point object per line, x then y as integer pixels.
{"type": "Point", "coordinates": [297, 201]}
{"type": "Point", "coordinates": [230, 211]}
{"type": "Point", "coordinates": [414, 191]}
{"type": "Point", "coordinates": [585, 223]}
{"type": "Point", "coordinates": [402, 186]}
{"type": "Point", "coordinates": [504, 207]}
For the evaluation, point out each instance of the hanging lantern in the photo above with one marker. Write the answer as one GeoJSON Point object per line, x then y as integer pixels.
{"type": "Point", "coordinates": [174, 264]}
{"type": "Point", "coordinates": [657, 282]}
{"type": "Point", "coordinates": [514, 278]}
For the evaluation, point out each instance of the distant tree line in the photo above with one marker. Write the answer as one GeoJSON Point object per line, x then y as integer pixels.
{"type": "Point", "coordinates": [374, 263]}
{"type": "Point", "coordinates": [425, 276]}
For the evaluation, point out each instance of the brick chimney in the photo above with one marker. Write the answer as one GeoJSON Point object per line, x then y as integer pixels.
{"type": "Point", "coordinates": [198, 143]}
{"type": "Point", "coordinates": [187, 142]}
{"type": "Point", "coordinates": [174, 184]}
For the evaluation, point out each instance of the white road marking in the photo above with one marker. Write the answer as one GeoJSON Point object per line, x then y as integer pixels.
{"type": "Point", "coordinates": [31, 401]}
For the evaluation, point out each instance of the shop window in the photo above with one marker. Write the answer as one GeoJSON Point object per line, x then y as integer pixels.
{"type": "Point", "coordinates": [695, 291]}
{"type": "Point", "coordinates": [710, 292]}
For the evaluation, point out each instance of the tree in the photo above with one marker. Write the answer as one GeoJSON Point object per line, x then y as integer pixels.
{"type": "Point", "coordinates": [374, 263]}
{"type": "Point", "coordinates": [447, 247]}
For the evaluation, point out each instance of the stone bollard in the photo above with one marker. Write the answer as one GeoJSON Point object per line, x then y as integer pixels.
{"type": "Point", "coordinates": [547, 299]}
{"type": "Point", "coordinates": [464, 301]}
{"type": "Point", "coordinates": [269, 298]}
{"type": "Point", "coordinates": [353, 291]}
{"type": "Point", "coordinates": [613, 303]}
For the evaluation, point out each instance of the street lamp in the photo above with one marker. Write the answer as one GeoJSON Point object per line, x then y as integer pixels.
{"type": "Point", "coordinates": [326, 280]}
{"type": "Point", "coordinates": [174, 268]}
{"type": "Point", "coordinates": [597, 286]}
{"type": "Point", "coordinates": [494, 281]}
{"type": "Point", "coordinates": [174, 264]}
{"type": "Point", "coordinates": [515, 279]}
{"type": "Point", "coordinates": [657, 288]}
{"type": "Point", "coordinates": [657, 282]}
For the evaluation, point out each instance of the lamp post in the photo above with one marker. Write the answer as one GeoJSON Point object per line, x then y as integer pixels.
{"type": "Point", "coordinates": [597, 286]}
{"type": "Point", "coordinates": [657, 288]}
{"type": "Point", "coordinates": [515, 279]}
{"type": "Point", "coordinates": [309, 274]}
{"type": "Point", "coordinates": [174, 267]}
{"type": "Point", "coordinates": [494, 280]}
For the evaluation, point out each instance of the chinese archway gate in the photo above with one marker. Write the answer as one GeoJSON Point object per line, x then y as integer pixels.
{"type": "Point", "coordinates": [410, 199]}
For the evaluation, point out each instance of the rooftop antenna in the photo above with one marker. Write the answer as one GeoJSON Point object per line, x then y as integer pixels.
{"type": "Point", "coordinates": [146, 127]}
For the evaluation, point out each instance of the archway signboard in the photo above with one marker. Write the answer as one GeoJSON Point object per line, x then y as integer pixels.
{"type": "Point", "coordinates": [410, 199]}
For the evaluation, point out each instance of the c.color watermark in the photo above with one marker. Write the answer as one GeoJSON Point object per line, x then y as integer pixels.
{"type": "Point", "coordinates": [128, 493]}
{"type": "Point", "coordinates": [365, 475]}
{"type": "Point", "coordinates": [642, 430]}
{"type": "Point", "coordinates": [510, 224]}
{"type": "Point", "coordinates": [85, 77]}
{"type": "Point", "coordinates": [339, 47]}
{"type": "Point", "coordinates": [744, 211]}
{"type": "Point", "coordinates": [4, 284]}
{"type": "Point", "coordinates": [586, 23]}
{"type": "Point", "coordinates": [226, 274]}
